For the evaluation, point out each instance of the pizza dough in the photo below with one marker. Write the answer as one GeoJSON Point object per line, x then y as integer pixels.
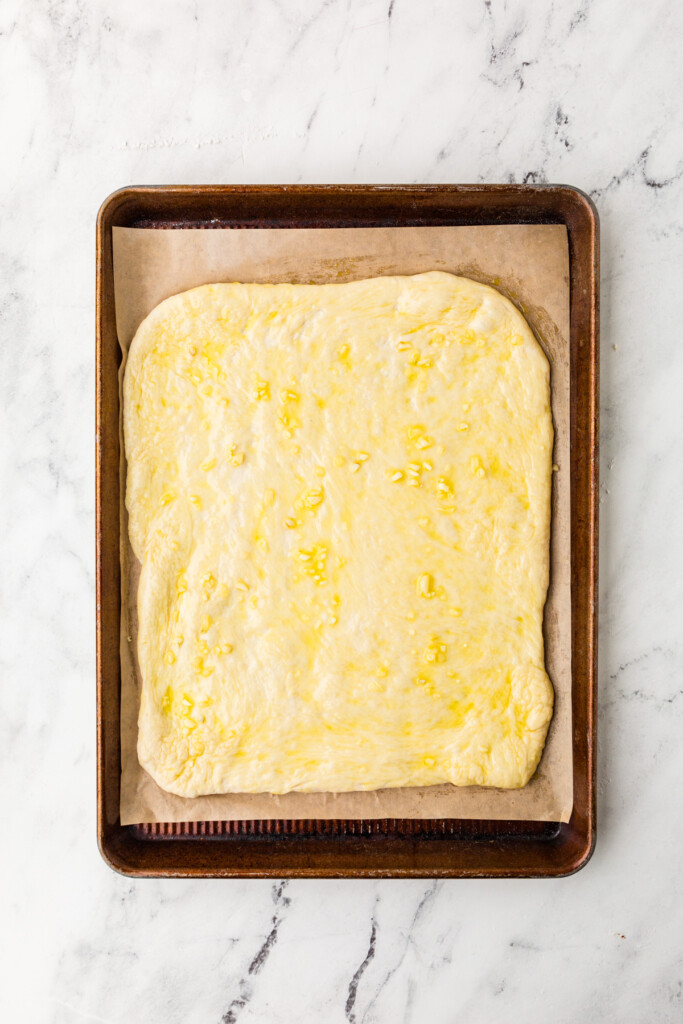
{"type": "Point", "coordinates": [340, 497]}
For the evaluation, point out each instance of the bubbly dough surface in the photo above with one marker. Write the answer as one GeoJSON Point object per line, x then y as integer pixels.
{"type": "Point", "coordinates": [340, 497]}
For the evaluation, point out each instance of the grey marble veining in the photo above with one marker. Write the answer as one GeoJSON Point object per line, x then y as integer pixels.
{"type": "Point", "coordinates": [96, 95]}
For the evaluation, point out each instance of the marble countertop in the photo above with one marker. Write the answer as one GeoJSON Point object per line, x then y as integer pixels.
{"type": "Point", "coordinates": [97, 95]}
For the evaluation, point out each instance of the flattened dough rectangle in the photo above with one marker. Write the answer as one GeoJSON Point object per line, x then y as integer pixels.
{"type": "Point", "coordinates": [340, 497]}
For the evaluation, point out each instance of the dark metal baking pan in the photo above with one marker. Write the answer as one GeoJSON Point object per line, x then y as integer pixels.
{"type": "Point", "coordinates": [387, 847]}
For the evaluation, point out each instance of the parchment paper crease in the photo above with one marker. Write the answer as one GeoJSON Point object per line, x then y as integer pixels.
{"type": "Point", "coordinates": [528, 263]}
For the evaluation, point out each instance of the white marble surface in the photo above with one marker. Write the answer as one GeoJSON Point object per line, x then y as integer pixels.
{"type": "Point", "coordinates": [95, 95]}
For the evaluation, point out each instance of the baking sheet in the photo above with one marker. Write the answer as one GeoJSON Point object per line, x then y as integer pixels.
{"type": "Point", "coordinates": [530, 264]}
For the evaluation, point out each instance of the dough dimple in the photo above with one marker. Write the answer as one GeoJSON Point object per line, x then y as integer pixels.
{"type": "Point", "coordinates": [340, 497]}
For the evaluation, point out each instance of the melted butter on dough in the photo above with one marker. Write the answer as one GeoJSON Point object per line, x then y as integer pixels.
{"type": "Point", "coordinates": [340, 497]}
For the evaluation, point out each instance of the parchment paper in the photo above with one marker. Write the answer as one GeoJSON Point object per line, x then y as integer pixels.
{"type": "Point", "coordinates": [529, 264]}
